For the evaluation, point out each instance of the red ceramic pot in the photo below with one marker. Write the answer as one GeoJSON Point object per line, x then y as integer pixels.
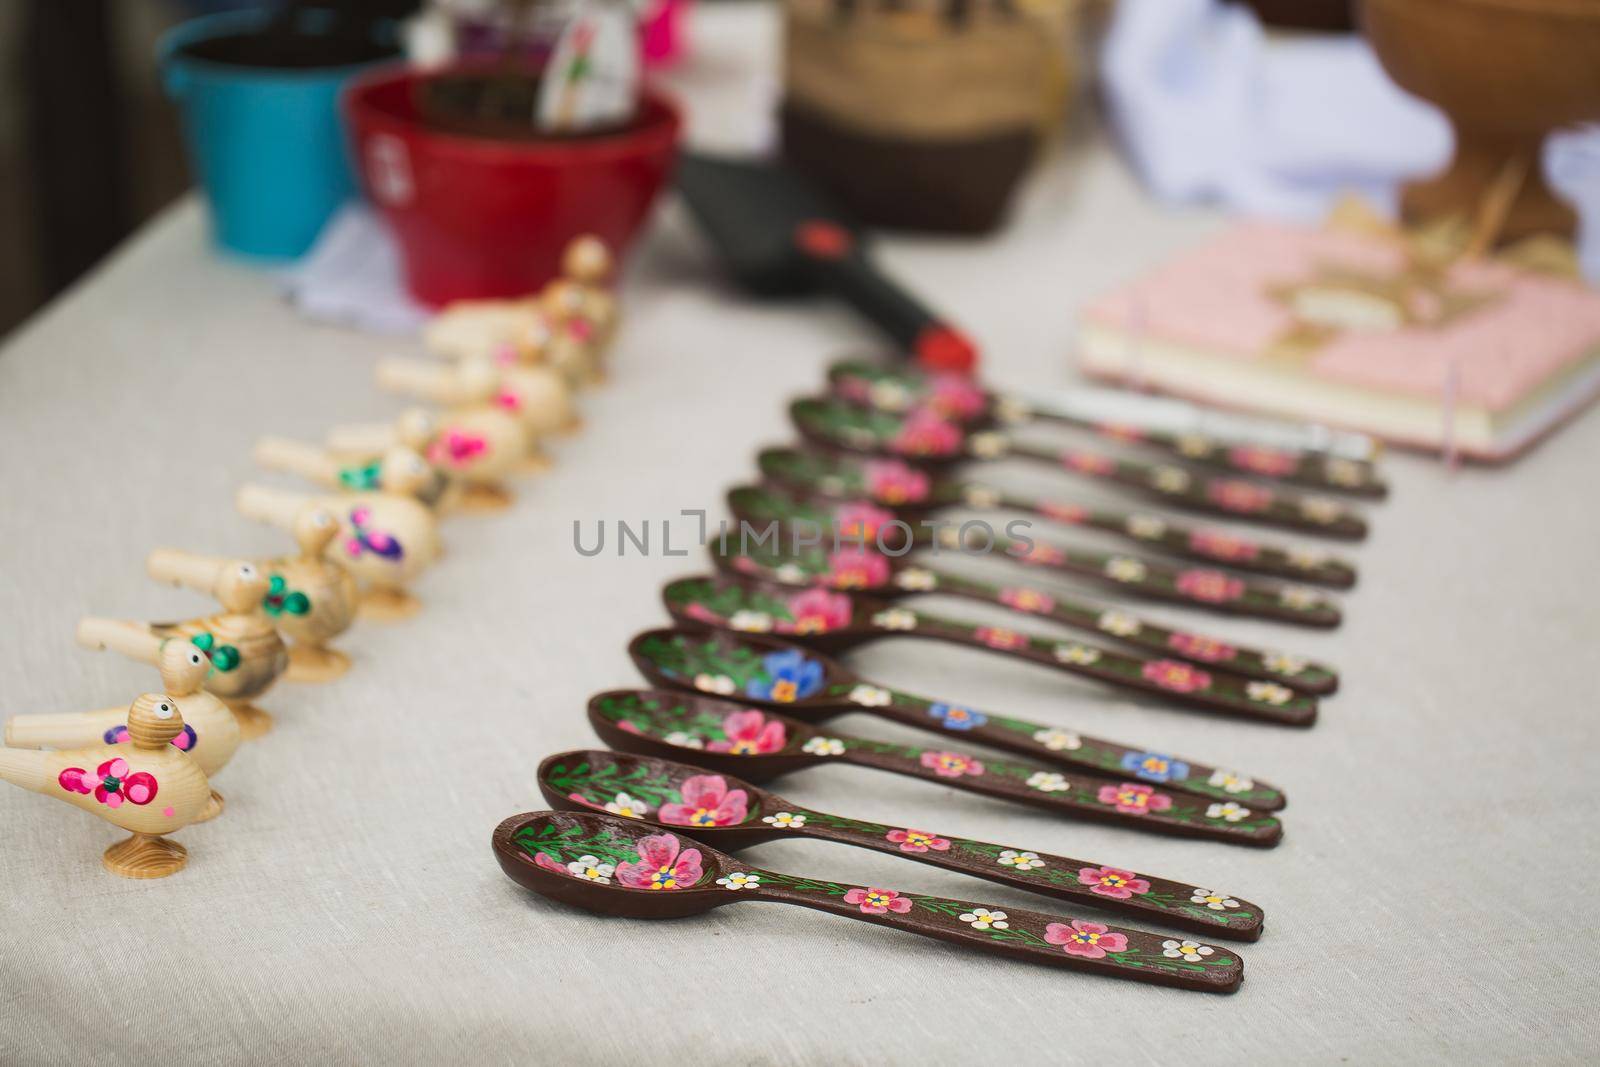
{"type": "Point", "coordinates": [479, 218]}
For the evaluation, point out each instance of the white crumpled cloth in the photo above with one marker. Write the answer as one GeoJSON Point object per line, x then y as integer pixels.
{"type": "Point", "coordinates": [1209, 107]}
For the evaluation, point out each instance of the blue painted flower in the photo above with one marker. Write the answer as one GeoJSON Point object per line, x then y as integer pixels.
{"type": "Point", "coordinates": [789, 676]}
{"type": "Point", "coordinates": [955, 717]}
{"type": "Point", "coordinates": [1154, 767]}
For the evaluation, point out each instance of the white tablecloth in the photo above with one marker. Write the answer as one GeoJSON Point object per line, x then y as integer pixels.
{"type": "Point", "coordinates": [1430, 901]}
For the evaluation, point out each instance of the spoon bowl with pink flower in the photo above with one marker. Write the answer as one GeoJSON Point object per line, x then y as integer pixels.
{"type": "Point", "coordinates": [617, 866]}
{"type": "Point", "coordinates": [913, 492]}
{"type": "Point", "coordinates": [734, 814]}
{"type": "Point", "coordinates": [922, 436]}
{"type": "Point", "coordinates": [804, 519]}
{"type": "Point", "coordinates": [767, 672]}
{"type": "Point", "coordinates": [729, 737]}
{"type": "Point", "coordinates": [831, 619]}
{"type": "Point", "coordinates": [959, 399]}
{"type": "Point", "coordinates": [849, 566]}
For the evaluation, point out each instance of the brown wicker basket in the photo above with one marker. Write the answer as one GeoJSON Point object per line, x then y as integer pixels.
{"type": "Point", "coordinates": [923, 115]}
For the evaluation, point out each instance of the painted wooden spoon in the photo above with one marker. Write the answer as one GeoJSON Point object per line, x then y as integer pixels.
{"type": "Point", "coordinates": [732, 738]}
{"type": "Point", "coordinates": [958, 398]}
{"type": "Point", "coordinates": [1203, 587]}
{"type": "Point", "coordinates": [913, 491]}
{"type": "Point", "coordinates": [750, 665]}
{"type": "Point", "coordinates": [831, 620]}
{"type": "Point", "coordinates": [613, 866]}
{"type": "Point", "coordinates": [735, 814]}
{"type": "Point", "coordinates": [894, 577]}
{"type": "Point", "coordinates": [925, 438]}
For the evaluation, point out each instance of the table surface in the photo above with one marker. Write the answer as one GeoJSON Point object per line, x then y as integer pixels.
{"type": "Point", "coordinates": [1427, 904]}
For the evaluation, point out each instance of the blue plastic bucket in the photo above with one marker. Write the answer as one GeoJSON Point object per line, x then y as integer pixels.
{"type": "Point", "coordinates": [267, 144]}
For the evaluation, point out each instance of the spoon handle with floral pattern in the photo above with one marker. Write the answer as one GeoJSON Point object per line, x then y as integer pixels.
{"type": "Point", "coordinates": [1191, 542]}
{"type": "Point", "coordinates": [1174, 679]}
{"type": "Point", "coordinates": [1233, 498]}
{"type": "Point", "coordinates": [1292, 671]}
{"type": "Point", "coordinates": [1063, 748]}
{"type": "Point", "coordinates": [1207, 588]}
{"type": "Point", "coordinates": [1158, 900]}
{"type": "Point", "coordinates": [898, 390]}
{"type": "Point", "coordinates": [1058, 940]}
{"type": "Point", "coordinates": [1132, 803]}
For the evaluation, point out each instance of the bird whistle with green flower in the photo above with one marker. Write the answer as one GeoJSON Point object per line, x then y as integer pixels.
{"type": "Point", "coordinates": [616, 866]}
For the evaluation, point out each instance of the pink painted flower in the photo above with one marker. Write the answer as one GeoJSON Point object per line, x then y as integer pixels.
{"type": "Point", "coordinates": [1087, 462]}
{"type": "Point", "coordinates": [955, 396]}
{"type": "Point", "coordinates": [456, 447]}
{"type": "Point", "coordinates": [1074, 514]}
{"type": "Point", "coordinates": [951, 764]}
{"type": "Point", "coordinates": [917, 840]}
{"type": "Point", "coordinates": [877, 901]}
{"type": "Point", "coordinates": [1211, 586]}
{"type": "Point", "coordinates": [893, 482]}
{"type": "Point", "coordinates": [816, 611]}
{"type": "Point", "coordinates": [857, 568]}
{"type": "Point", "coordinates": [1236, 495]}
{"type": "Point", "coordinates": [1176, 675]}
{"type": "Point", "coordinates": [1083, 938]}
{"type": "Point", "coordinates": [1116, 431]}
{"type": "Point", "coordinates": [1206, 649]}
{"type": "Point", "coordinates": [1024, 599]}
{"type": "Point", "coordinates": [1000, 637]}
{"type": "Point", "coordinates": [627, 727]}
{"type": "Point", "coordinates": [747, 565]}
{"type": "Point", "coordinates": [853, 387]}
{"type": "Point", "coordinates": [1130, 798]}
{"type": "Point", "coordinates": [750, 734]}
{"type": "Point", "coordinates": [1223, 546]}
{"type": "Point", "coordinates": [923, 433]}
{"type": "Point", "coordinates": [707, 801]}
{"type": "Point", "coordinates": [699, 611]}
{"type": "Point", "coordinates": [1039, 555]}
{"type": "Point", "coordinates": [861, 522]}
{"type": "Point", "coordinates": [111, 783]}
{"type": "Point", "coordinates": [542, 860]}
{"type": "Point", "coordinates": [509, 399]}
{"type": "Point", "coordinates": [1113, 882]}
{"type": "Point", "coordinates": [661, 865]}
{"type": "Point", "coordinates": [1271, 462]}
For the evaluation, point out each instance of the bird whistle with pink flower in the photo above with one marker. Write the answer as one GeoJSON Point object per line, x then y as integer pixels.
{"type": "Point", "coordinates": [909, 493]}
{"type": "Point", "coordinates": [147, 787]}
{"type": "Point", "coordinates": [957, 398]}
{"type": "Point", "coordinates": [764, 673]}
{"type": "Point", "coordinates": [729, 812]}
{"type": "Point", "coordinates": [827, 618]}
{"type": "Point", "coordinates": [923, 435]}
{"type": "Point", "coordinates": [722, 736]}
{"type": "Point", "coordinates": [615, 866]}
{"type": "Point", "coordinates": [825, 574]}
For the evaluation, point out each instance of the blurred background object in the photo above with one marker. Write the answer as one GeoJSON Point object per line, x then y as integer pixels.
{"type": "Point", "coordinates": [923, 114]}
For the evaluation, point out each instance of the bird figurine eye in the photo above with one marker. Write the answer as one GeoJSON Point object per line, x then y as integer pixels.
{"type": "Point", "coordinates": [321, 519]}
{"type": "Point", "coordinates": [163, 709]}
{"type": "Point", "coordinates": [246, 571]}
{"type": "Point", "coordinates": [195, 659]}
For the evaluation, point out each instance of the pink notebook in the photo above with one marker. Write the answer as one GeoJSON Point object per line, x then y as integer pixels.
{"type": "Point", "coordinates": [1336, 327]}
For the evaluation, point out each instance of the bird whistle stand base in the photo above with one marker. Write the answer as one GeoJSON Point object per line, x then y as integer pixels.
{"type": "Point", "coordinates": [253, 721]}
{"type": "Point", "coordinates": [313, 663]}
{"type": "Point", "coordinates": [388, 605]}
{"type": "Point", "coordinates": [145, 856]}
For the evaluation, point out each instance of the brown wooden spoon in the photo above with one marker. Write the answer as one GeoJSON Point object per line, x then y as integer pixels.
{"type": "Point", "coordinates": [958, 398]}
{"type": "Point", "coordinates": [613, 866]}
{"type": "Point", "coordinates": [832, 620]}
{"type": "Point", "coordinates": [1204, 587]}
{"type": "Point", "coordinates": [913, 492]}
{"type": "Point", "coordinates": [732, 738]}
{"type": "Point", "coordinates": [735, 814]}
{"type": "Point", "coordinates": [925, 438]}
{"type": "Point", "coordinates": [718, 661]}
{"type": "Point", "coordinates": [896, 577]}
